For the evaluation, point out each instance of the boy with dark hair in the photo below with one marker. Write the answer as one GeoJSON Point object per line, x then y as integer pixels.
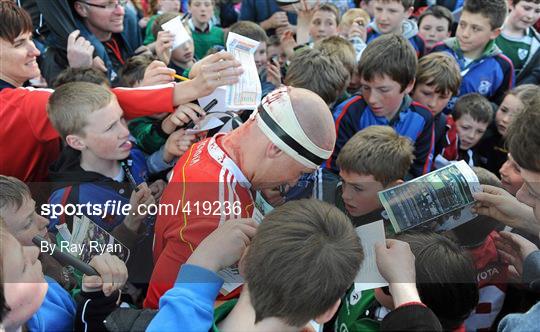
{"type": "Point", "coordinates": [437, 80]}
{"type": "Point", "coordinates": [374, 159]}
{"type": "Point", "coordinates": [435, 25]}
{"type": "Point", "coordinates": [520, 41]}
{"type": "Point", "coordinates": [325, 75]}
{"type": "Point", "coordinates": [298, 241]}
{"type": "Point", "coordinates": [472, 115]}
{"type": "Point", "coordinates": [205, 34]}
{"type": "Point", "coordinates": [484, 69]}
{"type": "Point", "coordinates": [392, 17]}
{"type": "Point", "coordinates": [445, 279]}
{"type": "Point", "coordinates": [81, 75]}
{"type": "Point", "coordinates": [387, 70]}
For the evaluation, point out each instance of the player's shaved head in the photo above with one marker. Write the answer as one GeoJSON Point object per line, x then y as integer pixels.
{"type": "Point", "coordinates": [314, 117]}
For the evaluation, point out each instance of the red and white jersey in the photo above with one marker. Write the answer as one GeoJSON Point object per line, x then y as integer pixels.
{"type": "Point", "coordinates": [492, 277]}
{"type": "Point", "coordinates": [207, 188]}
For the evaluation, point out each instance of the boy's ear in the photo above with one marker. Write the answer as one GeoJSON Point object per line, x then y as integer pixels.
{"type": "Point", "coordinates": [76, 142]}
{"type": "Point", "coordinates": [410, 86]}
{"type": "Point", "coordinates": [80, 9]}
{"type": "Point", "coordinates": [394, 183]}
{"type": "Point", "coordinates": [495, 33]}
{"type": "Point", "coordinates": [409, 12]}
{"type": "Point", "coordinates": [328, 314]}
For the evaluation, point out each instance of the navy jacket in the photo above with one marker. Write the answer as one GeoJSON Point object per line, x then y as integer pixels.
{"type": "Point", "coordinates": [491, 75]}
{"type": "Point", "coordinates": [413, 120]}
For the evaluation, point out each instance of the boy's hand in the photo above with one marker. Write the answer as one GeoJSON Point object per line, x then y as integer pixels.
{"type": "Point", "coordinates": [225, 245]}
{"type": "Point", "coordinates": [186, 113]}
{"type": "Point", "coordinates": [273, 73]}
{"type": "Point", "coordinates": [177, 144]}
{"type": "Point", "coordinates": [498, 204]}
{"type": "Point", "coordinates": [216, 70]}
{"type": "Point", "coordinates": [395, 261]}
{"type": "Point", "coordinates": [513, 249]}
{"type": "Point", "coordinates": [156, 188]}
{"type": "Point", "coordinates": [358, 29]}
{"type": "Point", "coordinates": [137, 214]}
{"type": "Point", "coordinates": [112, 274]}
{"type": "Point", "coordinates": [278, 19]}
{"type": "Point", "coordinates": [80, 52]}
{"type": "Point", "coordinates": [288, 43]}
{"type": "Point", "coordinates": [163, 47]}
{"type": "Point", "coordinates": [157, 73]}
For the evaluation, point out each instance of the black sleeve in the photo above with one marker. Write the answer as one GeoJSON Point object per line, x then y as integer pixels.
{"type": "Point", "coordinates": [92, 309]}
{"type": "Point", "coordinates": [414, 317]}
{"type": "Point", "coordinates": [346, 127]}
{"type": "Point", "coordinates": [423, 150]}
{"type": "Point", "coordinates": [507, 81]}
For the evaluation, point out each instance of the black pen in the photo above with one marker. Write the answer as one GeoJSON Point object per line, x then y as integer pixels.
{"type": "Point", "coordinates": [67, 259]}
{"type": "Point", "coordinates": [129, 176]}
{"type": "Point", "coordinates": [206, 108]}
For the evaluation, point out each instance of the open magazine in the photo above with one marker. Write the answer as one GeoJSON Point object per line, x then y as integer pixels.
{"type": "Point", "coordinates": [440, 200]}
{"type": "Point", "coordinates": [93, 240]}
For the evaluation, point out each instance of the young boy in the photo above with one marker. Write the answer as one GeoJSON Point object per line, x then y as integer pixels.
{"type": "Point", "coordinates": [435, 25]}
{"type": "Point", "coordinates": [387, 70]}
{"type": "Point", "coordinates": [472, 115]}
{"type": "Point", "coordinates": [437, 80]}
{"type": "Point", "coordinates": [484, 69]}
{"type": "Point", "coordinates": [205, 34]}
{"type": "Point", "coordinates": [344, 51]}
{"type": "Point", "coordinates": [374, 159]}
{"type": "Point", "coordinates": [446, 282]}
{"type": "Point", "coordinates": [313, 25]}
{"type": "Point", "coordinates": [392, 17]}
{"type": "Point", "coordinates": [182, 58]}
{"type": "Point", "coordinates": [520, 41]}
{"type": "Point", "coordinates": [321, 73]}
{"type": "Point", "coordinates": [306, 250]}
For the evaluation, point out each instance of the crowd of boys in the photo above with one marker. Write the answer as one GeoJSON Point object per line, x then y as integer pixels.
{"type": "Point", "coordinates": [357, 97]}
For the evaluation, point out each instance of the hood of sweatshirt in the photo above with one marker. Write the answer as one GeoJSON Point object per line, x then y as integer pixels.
{"type": "Point", "coordinates": [490, 49]}
{"type": "Point", "coordinates": [67, 169]}
{"type": "Point", "coordinates": [409, 28]}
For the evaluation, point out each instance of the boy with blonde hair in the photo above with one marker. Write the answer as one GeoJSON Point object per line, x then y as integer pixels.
{"type": "Point", "coordinates": [374, 159]}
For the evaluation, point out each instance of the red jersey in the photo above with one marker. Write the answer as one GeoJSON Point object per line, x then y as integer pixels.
{"type": "Point", "coordinates": [28, 141]}
{"type": "Point", "coordinates": [492, 280]}
{"type": "Point", "coordinates": [207, 188]}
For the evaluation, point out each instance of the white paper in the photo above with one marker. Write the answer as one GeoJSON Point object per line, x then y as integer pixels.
{"type": "Point", "coordinates": [219, 94]}
{"type": "Point", "coordinates": [206, 124]}
{"type": "Point", "coordinates": [231, 278]}
{"type": "Point", "coordinates": [247, 93]}
{"type": "Point", "coordinates": [180, 33]}
{"type": "Point", "coordinates": [368, 276]}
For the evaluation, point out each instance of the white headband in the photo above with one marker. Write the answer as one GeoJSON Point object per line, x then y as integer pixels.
{"type": "Point", "coordinates": [279, 123]}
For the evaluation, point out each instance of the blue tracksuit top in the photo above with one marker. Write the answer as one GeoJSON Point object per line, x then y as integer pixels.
{"type": "Point", "coordinates": [413, 120]}
{"type": "Point", "coordinates": [491, 75]}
